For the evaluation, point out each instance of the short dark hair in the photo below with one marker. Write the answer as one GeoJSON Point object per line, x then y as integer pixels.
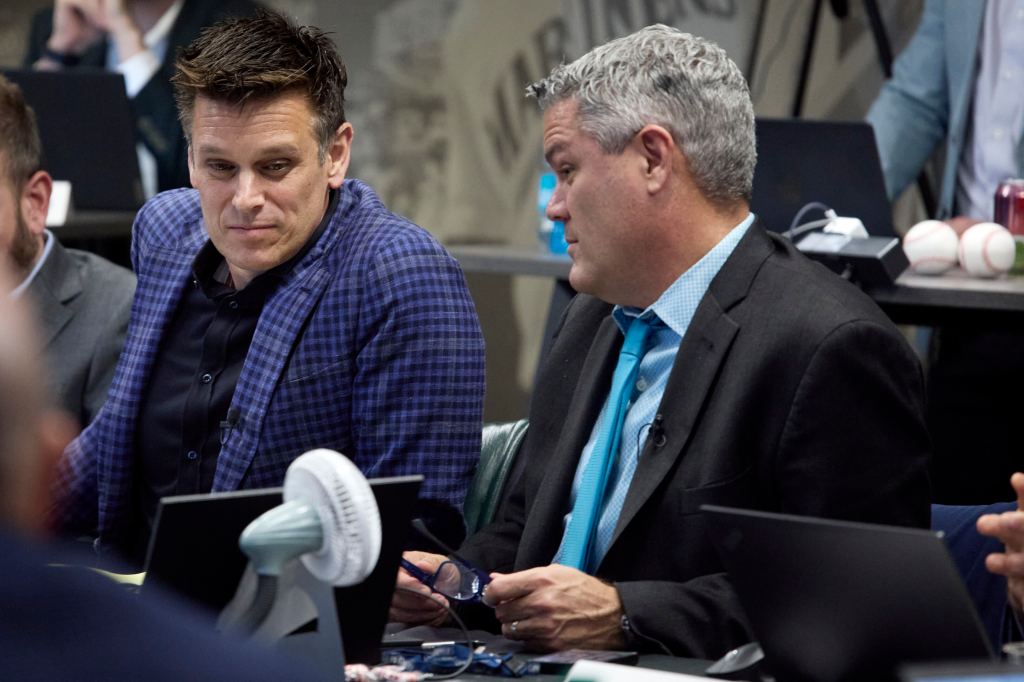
{"type": "Point", "coordinates": [20, 148]}
{"type": "Point", "coordinates": [256, 57]}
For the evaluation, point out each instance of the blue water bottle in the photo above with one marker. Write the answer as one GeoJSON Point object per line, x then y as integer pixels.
{"type": "Point", "coordinates": [551, 234]}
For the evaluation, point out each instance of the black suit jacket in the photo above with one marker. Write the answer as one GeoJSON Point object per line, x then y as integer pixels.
{"type": "Point", "coordinates": [156, 116]}
{"type": "Point", "coordinates": [791, 392]}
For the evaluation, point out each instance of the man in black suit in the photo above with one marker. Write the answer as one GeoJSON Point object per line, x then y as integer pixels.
{"type": "Point", "coordinates": [770, 383]}
{"type": "Point", "coordinates": [138, 38]}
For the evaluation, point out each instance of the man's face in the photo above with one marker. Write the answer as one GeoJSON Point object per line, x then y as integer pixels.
{"type": "Point", "coordinates": [597, 196]}
{"type": "Point", "coordinates": [261, 184]}
{"type": "Point", "coordinates": [17, 242]}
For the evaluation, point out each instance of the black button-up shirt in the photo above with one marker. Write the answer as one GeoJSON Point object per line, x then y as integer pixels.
{"type": "Point", "coordinates": [185, 406]}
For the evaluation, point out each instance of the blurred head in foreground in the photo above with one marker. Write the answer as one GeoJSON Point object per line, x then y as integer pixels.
{"type": "Point", "coordinates": [32, 434]}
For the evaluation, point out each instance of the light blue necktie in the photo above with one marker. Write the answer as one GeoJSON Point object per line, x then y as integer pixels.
{"type": "Point", "coordinates": [580, 531]}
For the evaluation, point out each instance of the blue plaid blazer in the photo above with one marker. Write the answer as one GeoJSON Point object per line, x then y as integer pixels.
{"type": "Point", "coordinates": [370, 346]}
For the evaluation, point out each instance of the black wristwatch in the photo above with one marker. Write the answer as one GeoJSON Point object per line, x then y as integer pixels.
{"type": "Point", "coordinates": [62, 58]}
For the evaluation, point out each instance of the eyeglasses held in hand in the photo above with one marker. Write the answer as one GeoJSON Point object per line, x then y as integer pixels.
{"type": "Point", "coordinates": [455, 578]}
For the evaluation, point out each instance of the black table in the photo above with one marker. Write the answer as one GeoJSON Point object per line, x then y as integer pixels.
{"type": "Point", "coordinates": [96, 225]}
{"type": "Point", "coordinates": [687, 666]}
{"type": "Point", "coordinates": [951, 299]}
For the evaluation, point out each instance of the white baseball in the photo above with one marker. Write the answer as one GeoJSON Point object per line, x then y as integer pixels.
{"type": "Point", "coordinates": [931, 247]}
{"type": "Point", "coordinates": [987, 250]}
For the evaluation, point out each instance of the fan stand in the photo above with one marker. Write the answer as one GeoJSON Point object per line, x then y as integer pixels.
{"type": "Point", "coordinates": [303, 622]}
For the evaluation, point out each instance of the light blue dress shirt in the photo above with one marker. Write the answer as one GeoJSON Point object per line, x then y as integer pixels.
{"type": "Point", "coordinates": [990, 153]}
{"type": "Point", "coordinates": [675, 308]}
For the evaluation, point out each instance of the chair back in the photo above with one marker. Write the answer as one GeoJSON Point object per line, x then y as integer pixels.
{"type": "Point", "coordinates": [498, 449]}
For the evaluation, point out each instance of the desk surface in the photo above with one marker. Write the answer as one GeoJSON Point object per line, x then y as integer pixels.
{"type": "Point", "coordinates": [497, 643]}
{"type": "Point", "coordinates": [954, 298]}
{"type": "Point", "coordinates": [687, 666]}
{"type": "Point", "coordinates": [96, 225]}
{"type": "Point", "coordinates": [511, 260]}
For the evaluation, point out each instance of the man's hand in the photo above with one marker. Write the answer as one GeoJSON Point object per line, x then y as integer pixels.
{"type": "Point", "coordinates": [961, 223]}
{"type": "Point", "coordinates": [556, 607]}
{"type": "Point", "coordinates": [116, 20]}
{"type": "Point", "coordinates": [78, 24]}
{"type": "Point", "coordinates": [425, 607]}
{"type": "Point", "coordinates": [1008, 528]}
{"type": "Point", "coordinates": [75, 26]}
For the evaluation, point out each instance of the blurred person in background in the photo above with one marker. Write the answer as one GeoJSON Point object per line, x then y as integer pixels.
{"type": "Point", "coordinates": [81, 300]}
{"type": "Point", "coordinates": [139, 39]}
{"type": "Point", "coordinates": [956, 87]}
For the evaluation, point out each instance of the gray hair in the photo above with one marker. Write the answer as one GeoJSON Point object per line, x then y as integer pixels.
{"type": "Point", "coordinates": [660, 75]}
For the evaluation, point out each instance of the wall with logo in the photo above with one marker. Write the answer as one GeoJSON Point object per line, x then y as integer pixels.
{"type": "Point", "coordinates": [447, 137]}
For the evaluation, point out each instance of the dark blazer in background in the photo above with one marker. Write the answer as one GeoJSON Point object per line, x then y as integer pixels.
{"type": "Point", "coordinates": [83, 303]}
{"type": "Point", "coordinates": [156, 117]}
{"type": "Point", "coordinates": [791, 392]}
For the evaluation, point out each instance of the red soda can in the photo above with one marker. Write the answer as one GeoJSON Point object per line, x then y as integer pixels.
{"type": "Point", "coordinates": [1009, 212]}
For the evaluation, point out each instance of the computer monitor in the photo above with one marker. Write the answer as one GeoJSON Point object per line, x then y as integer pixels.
{"type": "Point", "coordinates": [832, 162]}
{"type": "Point", "coordinates": [88, 134]}
{"type": "Point", "coordinates": [194, 552]}
{"type": "Point", "coordinates": [834, 600]}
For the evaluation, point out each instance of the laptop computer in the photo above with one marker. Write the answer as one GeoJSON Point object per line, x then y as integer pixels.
{"type": "Point", "coordinates": [833, 600]}
{"type": "Point", "coordinates": [88, 134]}
{"type": "Point", "coordinates": [194, 552]}
{"type": "Point", "coordinates": [833, 162]}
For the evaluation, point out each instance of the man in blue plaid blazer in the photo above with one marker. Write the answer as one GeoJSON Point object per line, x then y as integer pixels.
{"type": "Point", "coordinates": [364, 337]}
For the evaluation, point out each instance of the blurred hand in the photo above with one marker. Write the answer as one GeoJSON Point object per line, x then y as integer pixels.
{"type": "Point", "coordinates": [75, 26]}
{"type": "Point", "coordinates": [556, 607]}
{"type": "Point", "coordinates": [115, 19]}
{"type": "Point", "coordinates": [112, 13]}
{"type": "Point", "coordinates": [79, 24]}
{"type": "Point", "coordinates": [961, 223]}
{"type": "Point", "coordinates": [1008, 528]}
{"type": "Point", "coordinates": [426, 607]}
